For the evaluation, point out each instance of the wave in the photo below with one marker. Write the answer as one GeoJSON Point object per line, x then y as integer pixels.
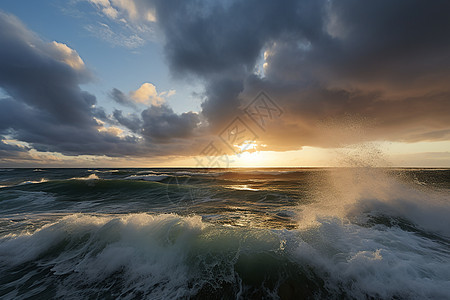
{"type": "Point", "coordinates": [90, 177]}
{"type": "Point", "coordinates": [169, 256]}
{"type": "Point", "coordinates": [25, 201]}
{"type": "Point", "coordinates": [359, 194]}
{"type": "Point", "coordinates": [104, 171]}
{"type": "Point", "coordinates": [205, 174]}
{"type": "Point", "coordinates": [28, 182]}
{"type": "Point", "coordinates": [359, 233]}
{"type": "Point", "coordinates": [148, 177]}
{"type": "Point", "coordinates": [148, 172]}
{"type": "Point", "coordinates": [376, 262]}
{"type": "Point", "coordinates": [42, 180]}
{"type": "Point", "coordinates": [268, 172]}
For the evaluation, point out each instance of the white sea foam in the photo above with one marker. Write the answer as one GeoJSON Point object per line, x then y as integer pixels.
{"type": "Point", "coordinates": [168, 256]}
{"type": "Point", "coordinates": [90, 177]}
{"type": "Point", "coordinates": [148, 172]}
{"type": "Point", "coordinates": [381, 261]}
{"type": "Point", "coordinates": [378, 262]}
{"type": "Point", "coordinates": [360, 192]}
{"type": "Point", "coordinates": [148, 177]}
{"type": "Point", "coordinates": [150, 251]}
{"type": "Point", "coordinates": [104, 171]}
{"type": "Point", "coordinates": [42, 180]}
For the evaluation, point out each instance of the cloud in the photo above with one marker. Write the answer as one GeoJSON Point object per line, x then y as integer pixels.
{"type": "Point", "coordinates": [162, 124]}
{"type": "Point", "coordinates": [106, 8]}
{"type": "Point", "coordinates": [169, 93]}
{"type": "Point", "coordinates": [132, 122]}
{"type": "Point", "coordinates": [122, 23]}
{"type": "Point", "coordinates": [135, 11]}
{"type": "Point", "coordinates": [8, 150]}
{"type": "Point", "coordinates": [67, 55]}
{"type": "Point", "coordinates": [110, 12]}
{"type": "Point", "coordinates": [45, 107]}
{"type": "Point", "coordinates": [382, 64]}
{"type": "Point", "coordinates": [115, 37]}
{"type": "Point", "coordinates": [122, 99]}
{"type": "Point", "coordinates": [147, 94]}
{"type": "Point", "coordinates": [343, 71]}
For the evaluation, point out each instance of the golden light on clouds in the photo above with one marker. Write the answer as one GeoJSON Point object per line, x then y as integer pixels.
{"type": "Point", "coordinates": [67, 55]}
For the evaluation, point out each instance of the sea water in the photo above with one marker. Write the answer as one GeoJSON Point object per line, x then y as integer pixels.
{"type": "Point", "coordinates": [353, 233]}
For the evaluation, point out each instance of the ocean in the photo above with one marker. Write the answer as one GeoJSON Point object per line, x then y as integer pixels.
{"type": "Point", "coordinates": [313, 233]}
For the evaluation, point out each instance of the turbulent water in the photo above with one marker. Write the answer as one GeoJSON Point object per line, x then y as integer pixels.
{"type": "Point", "coordinates": [356, 233]}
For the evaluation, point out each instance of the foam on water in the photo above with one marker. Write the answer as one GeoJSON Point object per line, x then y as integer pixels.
{"type": "Point", "coordinates": [356, 194]}
{"type": "Point", "coordinates": [104, 171]}
{"type": "Point", "coordinates": [362, 233]}
{"type": "Point", "coordinates": [148, 177]}
{"type": "Point", "coordinates": [148, 251]}
{"type": "Point", "coordinates": [381, 237]}
{"type": "Point", "coordinates": [169, 256]}
{"type": "Point", "coordinates": [379, 262]}
{"type": "Point", "coordinates": [90, 177]}
{"type": "Point", "coordinates": [206, 174]}
{"type": "Point", "coordinates": [34, 181]}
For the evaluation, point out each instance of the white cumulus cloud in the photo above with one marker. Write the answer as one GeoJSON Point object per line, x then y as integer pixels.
{"type": "Point", "coordinates": [147, 94]}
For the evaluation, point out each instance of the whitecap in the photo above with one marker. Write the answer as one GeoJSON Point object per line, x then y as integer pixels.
{"type": "Point", "coordinates": [148, 177]}
{"type": "Point", "coordinates": [90, 177]}
{"type": "Point", "coordinates": [33, 181]}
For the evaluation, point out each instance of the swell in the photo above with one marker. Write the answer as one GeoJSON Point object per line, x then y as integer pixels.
{"type": "Point", "coordinates": [169, 256]}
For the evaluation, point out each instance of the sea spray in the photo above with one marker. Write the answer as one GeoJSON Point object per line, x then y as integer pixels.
{"type": "Point", "coordinates": [290, 233]}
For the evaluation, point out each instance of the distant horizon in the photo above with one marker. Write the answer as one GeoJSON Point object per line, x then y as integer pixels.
{"type": "Point", "coordinates": [229, 168]}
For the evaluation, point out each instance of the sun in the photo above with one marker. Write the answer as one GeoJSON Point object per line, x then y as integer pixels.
{"type": "Point", "coordinates": [248, 159]}
{"type": "Point", "coordinates": [248, 156]}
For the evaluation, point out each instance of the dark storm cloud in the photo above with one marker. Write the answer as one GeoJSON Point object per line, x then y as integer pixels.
{"type": "Point", "coordinates": [207, 37]}
{"type": "Point", "coordinates": [162, 124]}
{"type": "Point", "coordinates": [342, 70]}
{"type": "Point", "coordinates": [222, 100]}
{"type": "Point", "coordinates": [119, 97]}
{"type": "Point", "coordinates": [386, 63]}
{"type": "Point", "coordinates": [133, 122]}
{"type": "Point", "coordinates": [45, 133]}
{"type": "Point", "coordinates": [222, 41]}
{"type": "Point", "coordinates": [30, 74]}
{"type": "Point", "coordinates": [8, 150]}
{"type": "Point", "coordinates": [46, 107]}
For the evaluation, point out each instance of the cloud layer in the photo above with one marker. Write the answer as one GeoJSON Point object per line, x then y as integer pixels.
{"type": "Point", "coordinates": [45, 106]}
{"type": "Point", "coordinates": [381, 66]}
{"type": "Point", "coordinates": [343, 71]}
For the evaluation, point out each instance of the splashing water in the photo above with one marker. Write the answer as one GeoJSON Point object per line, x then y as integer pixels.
{"type": "Point", "coordinates": [262, 233]}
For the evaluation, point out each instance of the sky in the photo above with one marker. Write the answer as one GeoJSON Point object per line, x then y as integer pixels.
{"type": "Point", "coordinates": [174, 83]}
